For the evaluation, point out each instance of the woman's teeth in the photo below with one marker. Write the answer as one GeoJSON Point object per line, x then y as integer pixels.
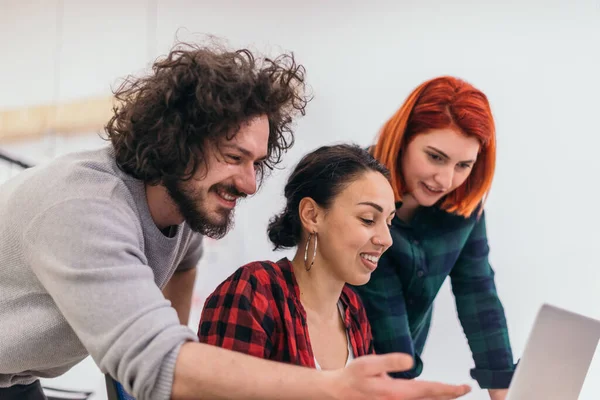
{"type": "Point", "coordinates": [369, 257]}
{"type": "Point", "coordinates": [433, 189]}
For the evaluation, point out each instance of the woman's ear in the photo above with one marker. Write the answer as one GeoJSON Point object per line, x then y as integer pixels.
{"type": "Point", "coordinates": [309, 212]}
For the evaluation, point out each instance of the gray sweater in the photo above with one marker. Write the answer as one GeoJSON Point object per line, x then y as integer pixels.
{"type": "Point", "coordinates": [82, 265]}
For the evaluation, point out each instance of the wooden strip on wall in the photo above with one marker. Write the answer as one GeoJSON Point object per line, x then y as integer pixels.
{"type": "Point", "coordinates": [76, 117]}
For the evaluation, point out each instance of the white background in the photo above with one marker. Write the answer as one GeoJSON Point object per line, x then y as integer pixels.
{"type": "Point", "coordinates": [538, 62]}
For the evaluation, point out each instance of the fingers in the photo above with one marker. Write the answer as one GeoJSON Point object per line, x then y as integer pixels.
{"type": "Point", "coordinates": [377, 366]}
{"type": "Point", "coordinates": [424, 390]}
{"type": "Point", "coordinates": [373, 365]}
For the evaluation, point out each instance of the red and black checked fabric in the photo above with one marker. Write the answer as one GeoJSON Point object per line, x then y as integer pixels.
{"type": "Point", "coordinates": [257, 311]}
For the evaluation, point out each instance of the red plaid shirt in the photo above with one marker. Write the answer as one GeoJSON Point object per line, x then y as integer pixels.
{"type": "Point", "coordinates": [257, 311]}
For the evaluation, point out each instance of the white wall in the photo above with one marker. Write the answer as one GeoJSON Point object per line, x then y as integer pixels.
{"type": "Point", "coordinates": [538, 62]}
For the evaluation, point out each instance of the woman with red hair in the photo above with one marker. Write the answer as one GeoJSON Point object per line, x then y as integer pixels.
{"type": "Point", "coordinates": [440, 148]}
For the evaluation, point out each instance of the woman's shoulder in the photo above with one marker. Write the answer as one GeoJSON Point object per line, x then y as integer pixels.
{"type": "Point", "coordinates": [263, 273]}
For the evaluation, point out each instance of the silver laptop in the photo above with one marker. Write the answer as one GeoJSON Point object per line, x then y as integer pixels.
{"type": "Point", "coordinates": [557, 356]}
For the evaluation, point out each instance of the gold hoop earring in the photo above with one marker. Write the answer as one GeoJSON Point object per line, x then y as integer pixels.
{"type": "Point", "coordinates": [314, 251]}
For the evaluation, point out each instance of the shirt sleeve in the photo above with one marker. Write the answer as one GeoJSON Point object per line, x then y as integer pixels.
{"type": "Point", "coordinates": [86, 254]}
{"type": "Point", "coordinates": [481, 313]}
{"type": "Point", "coordinates": [384, 302]}
{"type": "Point", "coordinates": [238, 316]}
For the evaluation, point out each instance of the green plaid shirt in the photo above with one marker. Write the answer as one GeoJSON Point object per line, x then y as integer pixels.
{"type": "Point", "coordinates": [400, 294]}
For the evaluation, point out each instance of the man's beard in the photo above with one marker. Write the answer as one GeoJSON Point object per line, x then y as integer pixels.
{"type": "Point", "coordinates": [192, 206]}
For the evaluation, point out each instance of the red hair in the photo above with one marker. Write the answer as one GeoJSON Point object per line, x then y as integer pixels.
{"type": "Point", "coordinates": [441, 103]}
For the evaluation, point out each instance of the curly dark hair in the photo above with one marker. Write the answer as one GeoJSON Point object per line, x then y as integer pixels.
{"type": "Point", "coordinates": [197, 95]}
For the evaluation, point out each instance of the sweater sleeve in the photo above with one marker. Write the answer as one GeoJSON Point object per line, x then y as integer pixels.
{"type": "Point", "coordinates": [88, 256]}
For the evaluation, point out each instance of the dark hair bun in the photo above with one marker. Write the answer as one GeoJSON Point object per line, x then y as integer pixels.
{"type": "Point", "coordinates": [283, 230]}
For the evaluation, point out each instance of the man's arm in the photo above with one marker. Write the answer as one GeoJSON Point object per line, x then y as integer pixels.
{"type": "Point", "coordinates": [179, 292]}
{"type": "Point", "coordinates": [87, 253]}
{"type": "Point", "coordinates": [180, 288]}
{"type": "Point", "coordinates": [211, 373]}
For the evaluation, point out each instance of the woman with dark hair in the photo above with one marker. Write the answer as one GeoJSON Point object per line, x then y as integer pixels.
{"type": "Point", "coordinates": [300, 311]}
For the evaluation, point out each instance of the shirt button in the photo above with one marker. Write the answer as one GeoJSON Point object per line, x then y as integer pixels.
{"type": "Point", "coordinates": [420, 273]}
{"type": "Point", "coordinates": [411, 302]}
{"type": "Point", "coordinates": [415, 241]}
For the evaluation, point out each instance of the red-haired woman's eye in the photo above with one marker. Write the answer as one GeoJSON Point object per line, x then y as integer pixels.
{"type": "Point", "coordinates": [435, 157]}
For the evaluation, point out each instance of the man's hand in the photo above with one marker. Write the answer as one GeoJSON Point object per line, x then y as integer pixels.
{"type": "Point", "coordinates": [366, 378]}
{"type": "Point", "coordinates": [498, 394]}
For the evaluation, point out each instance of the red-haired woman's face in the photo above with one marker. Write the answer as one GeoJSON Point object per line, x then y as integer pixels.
{"type": "Point", "coordinates": [436, 162]}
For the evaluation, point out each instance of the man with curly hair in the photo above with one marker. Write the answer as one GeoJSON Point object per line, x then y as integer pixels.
{"type": "Point", "coordinates": [98, 249]}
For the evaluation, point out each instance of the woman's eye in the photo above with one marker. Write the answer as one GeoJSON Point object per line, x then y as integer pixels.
{"type": "Point", "coordinates": [367, 221]}
{"type": "Point", "coordinates": [435, 157]}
